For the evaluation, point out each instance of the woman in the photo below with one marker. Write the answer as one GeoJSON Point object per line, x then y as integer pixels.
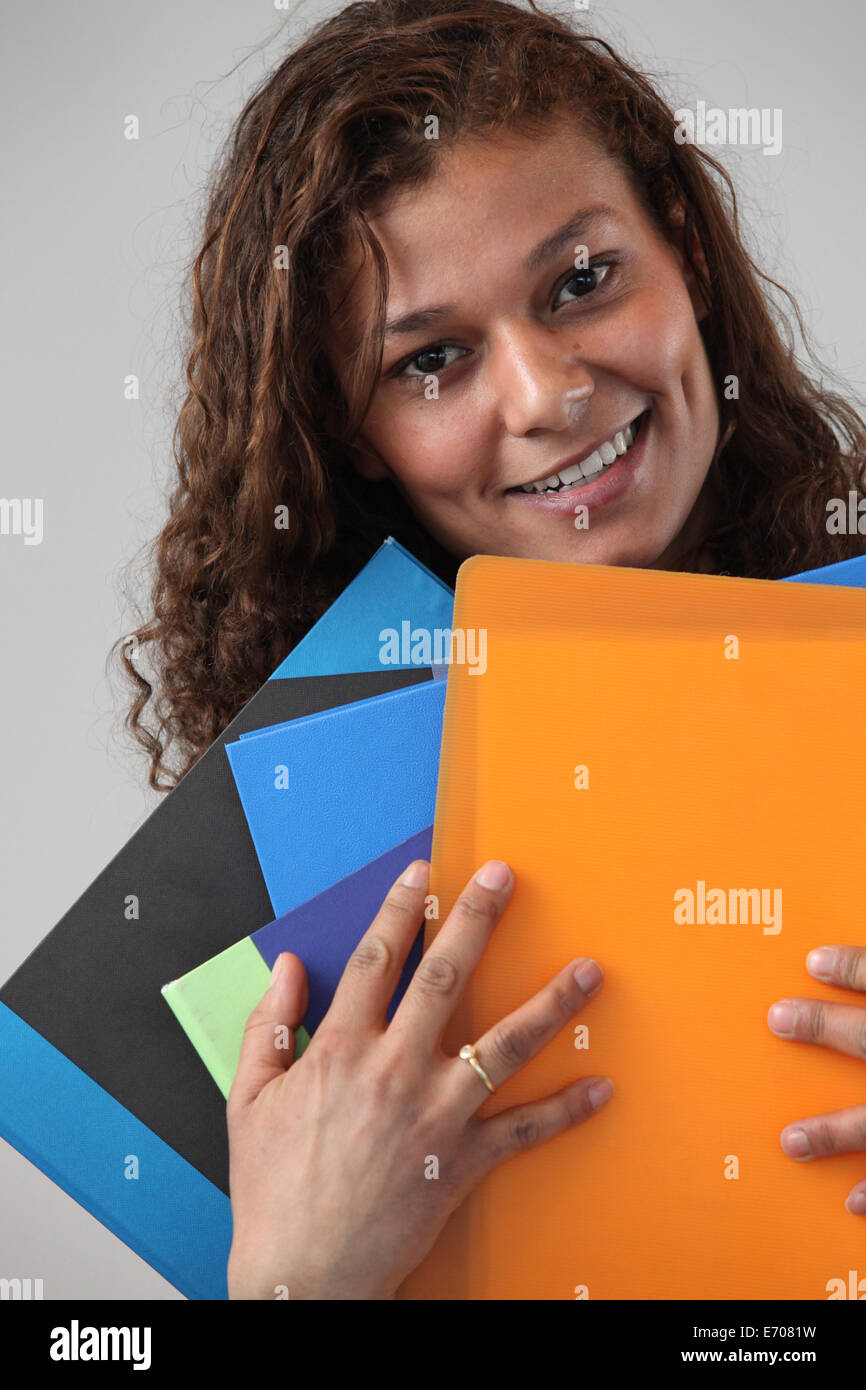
{"type": "Point", "coordinates": [459, 284]}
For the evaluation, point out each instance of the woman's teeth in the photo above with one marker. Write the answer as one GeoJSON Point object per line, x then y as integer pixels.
{"type": "Point", "coordinates": [580, 473]}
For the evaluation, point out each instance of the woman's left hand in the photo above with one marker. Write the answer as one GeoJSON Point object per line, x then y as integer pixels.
{"type": "Point", "coordinates": [842, 1027]}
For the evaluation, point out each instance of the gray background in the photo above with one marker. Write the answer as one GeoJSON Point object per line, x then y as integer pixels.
{"type": "Point", "coordinates": [96, 233]}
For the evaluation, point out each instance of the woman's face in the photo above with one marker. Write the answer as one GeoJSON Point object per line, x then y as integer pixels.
{"type": "Point", "coordinates": [504, 364]}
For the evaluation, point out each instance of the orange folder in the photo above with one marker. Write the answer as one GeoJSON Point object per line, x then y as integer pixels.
{"type": "Point", "coordinates": [633, 741]}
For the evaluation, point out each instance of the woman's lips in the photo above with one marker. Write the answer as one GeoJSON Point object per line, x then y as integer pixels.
{"type": "Point", "coordinates": [603, 489]}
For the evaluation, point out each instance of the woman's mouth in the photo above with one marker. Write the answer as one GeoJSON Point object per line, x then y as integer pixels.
{"type": "Point", "coordinates": [599, 478]}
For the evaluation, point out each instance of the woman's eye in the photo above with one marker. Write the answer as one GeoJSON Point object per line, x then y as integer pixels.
{"type": "Point", "coordinates": [430, 360]}
{"type": "Point", "coordinates": [586, 281]}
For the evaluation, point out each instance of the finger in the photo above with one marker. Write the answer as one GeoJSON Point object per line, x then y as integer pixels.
{"type": "Point", "coordinates": [374, 967]}
{"type": "Point", "coordinates": [840, 1026]}
{"type": "Point", "coordinates": [837, 1132]}
{"type": "Point", "coordinates": [441, 976]}
{"type": "Point", "coordinates": [856, 1200]}
{"type": "Point", "coordinates": [515, 1040]}
{"type": "Point", "coordinates": [527, 1126]}
{"type": "Point", "coordinates": [268, 1046]}
{"type": "Point", "coordinates": [839, 965]}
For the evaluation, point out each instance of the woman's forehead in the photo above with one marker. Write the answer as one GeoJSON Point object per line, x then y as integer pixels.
{"type": "Point", "coordinates": [500, 172]}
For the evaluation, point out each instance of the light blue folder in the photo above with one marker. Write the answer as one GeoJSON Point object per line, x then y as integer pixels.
{"type": "Point", "coordinates": [845, 574]}
{"type": "Point", "coordinates": [391, 589]}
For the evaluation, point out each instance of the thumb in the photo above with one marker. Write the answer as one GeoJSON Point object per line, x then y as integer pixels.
{"type": "Point", "coordinates": [268, 1046]}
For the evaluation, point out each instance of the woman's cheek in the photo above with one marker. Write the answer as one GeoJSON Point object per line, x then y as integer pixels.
{"type": "Point", "coordinates": [661, 335]}
{"type": "Point", "coordinates": [438, 450]}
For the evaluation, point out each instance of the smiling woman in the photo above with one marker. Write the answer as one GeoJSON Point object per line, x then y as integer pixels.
{"type": "Point", "coordinates": [558, 391]}
{"type": "Point", "coordinates": [459, 283]}
{"type": "Point", "coordinates": [455, 251]}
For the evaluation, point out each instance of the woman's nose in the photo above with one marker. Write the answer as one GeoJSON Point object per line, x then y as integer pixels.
{"type": "Point", "coordinates": [540, 381]}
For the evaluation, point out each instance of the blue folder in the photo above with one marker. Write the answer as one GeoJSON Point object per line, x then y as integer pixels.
{"type": "Point", "coordinates": [845, 574]}
{"type": "Point", "coordinates": [326, 794]}
{"type": "Point", "coordinates": [388, 592]}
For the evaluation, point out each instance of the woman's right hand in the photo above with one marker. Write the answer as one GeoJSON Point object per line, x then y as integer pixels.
{"type": "Point", "coordinates": [329, 1153]}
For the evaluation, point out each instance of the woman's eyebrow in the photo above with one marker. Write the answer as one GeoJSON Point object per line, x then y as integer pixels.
{"type": "Point", "coordinates": [419, 319]}
{"type": "Point", "coordinates": [574, 230]}
{"type": "Point", "coordinates": [571, 231]}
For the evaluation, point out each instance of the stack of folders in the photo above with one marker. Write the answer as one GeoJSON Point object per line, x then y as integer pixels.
{"type": "Point", "coordinates": [99, 1087]}
{"type": "Point", "coordinates": [668, 744]}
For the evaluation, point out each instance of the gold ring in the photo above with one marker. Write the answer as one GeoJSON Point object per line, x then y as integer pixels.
{"type": "Point", "coordinates": [469, 1055]}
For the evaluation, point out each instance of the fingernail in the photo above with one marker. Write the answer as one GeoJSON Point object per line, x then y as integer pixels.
{"type": "Point", "coordinates": [279, 967]}
{"type": "Point", "coordinates": [588, 975]}
{"type": "Point", "coordinates": [493, 874]}
{"type": "Point", "coordinates": [822, 963]}
{"type": "Point", "coordinates": [415, 875]}
{"type": "Point", "coordinates": [796, 1143]}
{"type": "Point", "coordinates": [856, 1204]}
{"type": "Point", "coordinates": [600, 1092]}
{"type": "Point", "coordinates": [782, 1018]}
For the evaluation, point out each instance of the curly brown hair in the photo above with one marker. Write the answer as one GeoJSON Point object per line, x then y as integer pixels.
{"type": "Point", "coordinates": [265, 424]}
